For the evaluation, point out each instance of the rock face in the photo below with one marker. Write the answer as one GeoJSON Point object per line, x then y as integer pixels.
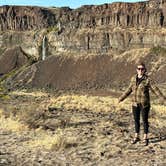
{"type": "Point", "coordinates": [89, 29]}
{"type": "Point", "coordinates": [24, 18]}
{"type": "Point", "coordinates": [142, 14]}
{"type": "Point", "coordinates": [122, 14]}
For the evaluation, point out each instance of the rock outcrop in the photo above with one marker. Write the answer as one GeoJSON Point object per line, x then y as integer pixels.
{"type": "Point", "coordinates": [24, 18]}
{"type": "Point", "coordinates": [89, 29]}
{"type": "Point", "coordinates": [141, 14]}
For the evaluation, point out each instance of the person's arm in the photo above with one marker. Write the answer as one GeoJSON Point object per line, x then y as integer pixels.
{"type": "Point", "coordinates": [156, 90]}
{"type": "Point", "coordinates": [127, 92]}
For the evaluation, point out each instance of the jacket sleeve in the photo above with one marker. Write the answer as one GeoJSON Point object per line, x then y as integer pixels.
{"type": "Point", "coordinates": [156, 90]}
{"type": "Point", "coordinates": [127, 92]}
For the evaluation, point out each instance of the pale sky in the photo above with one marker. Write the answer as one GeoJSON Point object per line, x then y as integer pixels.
{"type": "Point", "coordinates": [61, 3]}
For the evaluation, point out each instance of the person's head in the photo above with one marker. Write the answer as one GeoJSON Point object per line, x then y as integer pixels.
{"type": "Point", "coordinates": [141, 68]}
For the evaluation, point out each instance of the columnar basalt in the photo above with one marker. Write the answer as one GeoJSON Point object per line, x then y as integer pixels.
{"type": "Point", "coordinates": [24, 18]}
{"type": "Point", "coordinates": [142, 14]}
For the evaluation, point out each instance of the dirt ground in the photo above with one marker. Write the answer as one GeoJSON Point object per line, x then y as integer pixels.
{"type": "Point", "coordinates": [51, 129]}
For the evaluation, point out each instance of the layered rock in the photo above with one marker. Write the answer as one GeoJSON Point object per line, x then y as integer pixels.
{"type": "Point", "coordinates": [24, 18]}
{"type": "Point", "coordinates": [142, 14]}
{"type": "Point", "coordinates": [104, 40]}
{"type": "Point", "coordinates": [89, 29]}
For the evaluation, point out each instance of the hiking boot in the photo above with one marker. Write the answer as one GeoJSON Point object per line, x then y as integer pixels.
{"type": "Point", "coordinates": [146, 142]}
{"type": "Point", "coordinates": [135, 140]}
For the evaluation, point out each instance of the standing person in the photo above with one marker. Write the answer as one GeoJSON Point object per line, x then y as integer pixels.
{"type": "Point", "coordinates": [140, 85]}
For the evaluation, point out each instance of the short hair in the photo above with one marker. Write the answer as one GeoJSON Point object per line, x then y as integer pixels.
{"type": "Point", "coordinates": [142, 64]}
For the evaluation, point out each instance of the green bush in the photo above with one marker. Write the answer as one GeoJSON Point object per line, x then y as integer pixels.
{"type": "Point", "coordinates": [158, 50]}
{"type": "Point", "coordinates": [52, 28]}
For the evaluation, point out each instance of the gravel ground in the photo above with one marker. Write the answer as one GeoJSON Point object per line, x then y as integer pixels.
{"type": "Point", "coordinates": [88, 137]}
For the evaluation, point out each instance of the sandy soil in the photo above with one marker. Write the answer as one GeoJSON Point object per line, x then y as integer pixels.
{"type": "Point", "coordinates": [83, 136]}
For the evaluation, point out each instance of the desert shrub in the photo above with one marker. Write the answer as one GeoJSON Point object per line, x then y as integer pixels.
{"type": "Point", "coordinates": [2, 50]}
{"type": "Point", "coordinates": [32, 117]}
{"type": "Point", "coordinates": [52, 28]}
{"type": "Point", "coordinates": [158, 50]}
{"type": "Point", "coordinates": [55, 142]}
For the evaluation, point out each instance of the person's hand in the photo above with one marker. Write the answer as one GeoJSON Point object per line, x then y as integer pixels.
{"type": "Point", "coordinates": [119, 101]}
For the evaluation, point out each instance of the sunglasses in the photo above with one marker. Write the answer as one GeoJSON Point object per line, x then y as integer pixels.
{"type": "Point", "coordinates": [140, 68]}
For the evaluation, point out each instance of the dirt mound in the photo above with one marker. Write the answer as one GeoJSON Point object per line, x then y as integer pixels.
{"type": "Point", "coordinates": [11, 59]}
{"type": "Point", "coordinates": [96, 72]}
{"type": "Point", "coordinates": [69, 73]}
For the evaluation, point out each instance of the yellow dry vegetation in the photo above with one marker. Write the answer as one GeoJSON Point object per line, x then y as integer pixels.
{"type": "Point", "coordinates": [158, 120]}
{"type": "Point", "coordinates": [39, 137]}
{"type": "Point", "coordinates": [159, 109]}
{"type": "Point", "coordinates": [25, 93]}
{"type": "Point", "coordinates": [134, 54]}
{"type": "Point", "coordinates": [11, 124]}
{"type": "Point", "coordinates": [1, 112]}
{"type": "Point", "coordinates": [156, 65]}
{"type": "Point", "coordinates": [43, 138]}
{"type": "Point", "coordinates": [48, 140]}
{"type": "Point", "coordinates": [92, 103]}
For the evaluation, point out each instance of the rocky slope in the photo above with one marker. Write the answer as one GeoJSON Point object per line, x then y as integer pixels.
{"type": "Point", "coordinates": [95, 72]}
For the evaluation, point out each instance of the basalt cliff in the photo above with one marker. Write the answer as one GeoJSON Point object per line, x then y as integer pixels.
{"type": "Point", "coordinates": [88, 47]}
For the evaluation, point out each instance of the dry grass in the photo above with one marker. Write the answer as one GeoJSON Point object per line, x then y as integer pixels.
{"type": "Point", "coordinates": [58, 139]}
{"type": "Point", "coordinates": [93, 103]}
{"type": "Point", "coordinates": [39, 137]}
{"type": "Point", "coordinates": [47, 140]}
{"type": "Point", "coordinates": [11, 124]}
{"type": "Point", "coordinates": [134, 55]}
{"type": "Point", "coordinates": [159, 109]}
{"type": "Point", "coordinates": [25, 93]}
{"type": "Point", "coordinates": [159, 115]}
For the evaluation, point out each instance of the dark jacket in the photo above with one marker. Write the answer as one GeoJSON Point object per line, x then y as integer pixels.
{"type": "Point", "coordinates": [141, 91]}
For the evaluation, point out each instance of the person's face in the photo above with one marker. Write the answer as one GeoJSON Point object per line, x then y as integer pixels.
{"type": "Point", "coordinates": [140, 70]}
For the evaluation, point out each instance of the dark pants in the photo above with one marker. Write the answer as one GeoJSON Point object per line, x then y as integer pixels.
{"type": "Point", "coordinates": [136, 113]}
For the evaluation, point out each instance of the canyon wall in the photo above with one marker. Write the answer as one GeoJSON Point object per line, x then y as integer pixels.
{"type": "Point", "coordinates": [89, 29]}
{"type": "Point", "coordinates": [141, 14]}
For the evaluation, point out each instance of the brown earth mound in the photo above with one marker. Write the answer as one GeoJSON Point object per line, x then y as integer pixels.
{"type": "Point", "coordinates": [96, 72]}
{"type": "Point", "coordinates": [11, 59]}
{"type": "Point", "coordinates": [68, 73]}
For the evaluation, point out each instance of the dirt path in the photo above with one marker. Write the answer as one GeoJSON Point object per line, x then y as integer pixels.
{"type": "Point", "coordinates": [85, 137]}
